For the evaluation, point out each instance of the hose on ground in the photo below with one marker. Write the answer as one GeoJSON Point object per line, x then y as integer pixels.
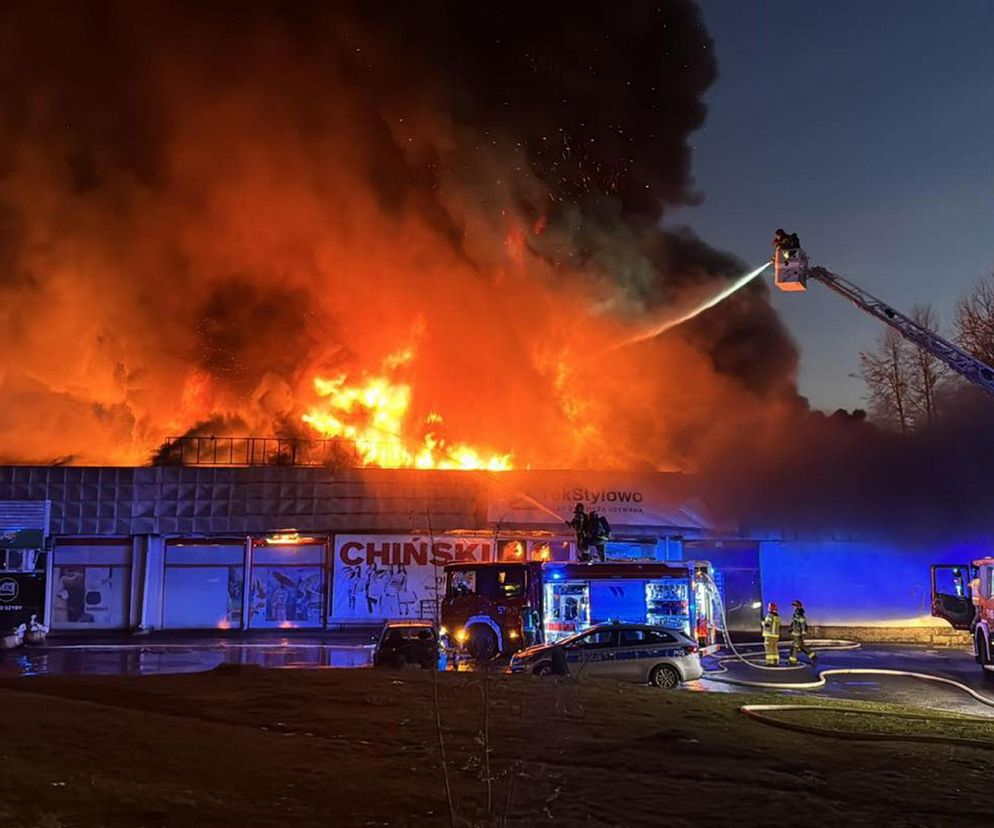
{"type": "Point", "coordinates": [716, 600]}
{"type": "Point", "coordinates": [758, 712]}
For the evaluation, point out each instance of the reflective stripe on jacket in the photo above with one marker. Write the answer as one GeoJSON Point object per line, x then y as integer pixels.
{"type": "Point", "coordinates": [771, 624]}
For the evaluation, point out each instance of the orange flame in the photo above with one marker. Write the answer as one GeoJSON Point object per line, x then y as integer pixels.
{"type": "Point", "coordinates": [374, 415]}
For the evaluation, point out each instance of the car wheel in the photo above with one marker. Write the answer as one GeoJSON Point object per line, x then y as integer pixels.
{"type": "Point", "coordinates": [664, 676]}
{"type": "Point", "coordinates": [482, 645]}
{"type": "Point", "coordinates": [543, 669]}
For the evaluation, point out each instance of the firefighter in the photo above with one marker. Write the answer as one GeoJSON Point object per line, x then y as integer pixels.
{"type": "Point", "coordinates": [580, 523]}
{"type": "Point", "coordinates": [598, 534]}
{"type": "Point", "coordinates": [771, 635]}
{"type": "Point", "coordinates": [780, 239]}
{"type": "Point", "coordinates": [799, 629]}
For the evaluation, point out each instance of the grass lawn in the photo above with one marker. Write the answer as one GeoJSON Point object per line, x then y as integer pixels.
{"type": "Point", "coordinates": [246, 746]}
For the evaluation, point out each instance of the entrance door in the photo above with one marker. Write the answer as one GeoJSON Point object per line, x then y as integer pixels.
{"type": "Point", "coordinates": [951, 597]}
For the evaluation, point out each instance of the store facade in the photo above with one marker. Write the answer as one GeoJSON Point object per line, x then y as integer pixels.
{"type": "Point", "coordinates": [279, 547]}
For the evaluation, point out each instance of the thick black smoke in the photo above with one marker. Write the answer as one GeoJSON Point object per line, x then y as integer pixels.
{"type": "Point", "coordinates": [210, 202]}
{"type": "Point", "coordinates": [840, 476]}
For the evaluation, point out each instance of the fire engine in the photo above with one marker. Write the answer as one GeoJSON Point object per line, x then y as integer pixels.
{"type": "Point", "coordinates": [963, 594]}
{"type": "Point", "coordinates": [498, 608]}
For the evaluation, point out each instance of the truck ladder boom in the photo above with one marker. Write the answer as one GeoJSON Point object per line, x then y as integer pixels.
{"type": "Point", "coordinates": [972, 369]}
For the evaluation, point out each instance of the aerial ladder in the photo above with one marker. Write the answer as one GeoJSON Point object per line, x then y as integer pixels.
{"type": "Point", "coordinates": [792, 272]}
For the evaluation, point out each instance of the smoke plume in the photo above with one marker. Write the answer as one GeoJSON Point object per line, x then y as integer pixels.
{"type": "Point", "coordinates": [204, 206]}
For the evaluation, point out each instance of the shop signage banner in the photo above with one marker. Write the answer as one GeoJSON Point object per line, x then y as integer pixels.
{"type": "Point", "coordinates": [381, 577]}
{"type": "Point", "coordinates": [624, 498]}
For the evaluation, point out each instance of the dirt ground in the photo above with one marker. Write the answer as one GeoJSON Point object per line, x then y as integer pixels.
{"type": "Point", "coordinates": [251, 747]}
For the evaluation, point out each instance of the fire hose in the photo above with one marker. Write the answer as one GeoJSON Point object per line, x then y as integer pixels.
{"type": "Point", "coordinates": [759, 712]}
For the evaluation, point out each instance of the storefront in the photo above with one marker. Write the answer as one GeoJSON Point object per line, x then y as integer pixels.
{"type": "Point", "coordinates": [288, 582]}
{"type": "Point", "coordinates": [203, 584]}
{"type": "Point", "coordinates": [23, 562]}
{"type": "Point", "coordinates": [91, 584]}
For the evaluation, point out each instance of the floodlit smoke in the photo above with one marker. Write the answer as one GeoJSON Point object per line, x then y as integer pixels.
{"type": "Point", "coordinates": [839, 477]}
{"type": "Point", "coordinates": [417, 221]}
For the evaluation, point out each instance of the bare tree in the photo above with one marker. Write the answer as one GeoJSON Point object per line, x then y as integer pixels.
{"type": "Point", "coordinates": [887, 373]}
{"type": "Point", "coordinates": [926, 372]}
{"type": "Point", "coordinates": [975, 321]}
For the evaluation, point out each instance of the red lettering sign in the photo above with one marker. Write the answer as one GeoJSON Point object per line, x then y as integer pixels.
{"type": "Point", "coordinates": [343, 553]}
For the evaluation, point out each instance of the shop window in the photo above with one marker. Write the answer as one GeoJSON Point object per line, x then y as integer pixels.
{"type": "Point", "coordinates": [511, 550]}
{"type": "Point", "coordinates": [203, 586]}
{"type": "Point", "coordinates": [287, 588]}
{"type": "Point", "coordinates": [91, 586]}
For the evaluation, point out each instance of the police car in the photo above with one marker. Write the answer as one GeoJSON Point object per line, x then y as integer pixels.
{"type": "Point", "coordinates": [627, 652]}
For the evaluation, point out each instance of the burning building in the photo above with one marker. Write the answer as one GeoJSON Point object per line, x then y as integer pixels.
{"type": "Point", "coordinates": [423, 241]}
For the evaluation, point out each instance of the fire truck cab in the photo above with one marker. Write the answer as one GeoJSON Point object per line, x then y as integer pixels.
{"type": "Point", "coordinates": [963, 594]}
{"type": "Point", "coordinates": [499, 608]}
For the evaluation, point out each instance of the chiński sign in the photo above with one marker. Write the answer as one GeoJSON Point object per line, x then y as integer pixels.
{"type": "Point", "coordinates": [625, 499]}
{"type": "Point", "coordinates": [379, 577]}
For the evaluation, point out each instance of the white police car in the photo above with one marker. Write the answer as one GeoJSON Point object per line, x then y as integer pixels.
{"type": "Point", "coordinates": [627, 652]}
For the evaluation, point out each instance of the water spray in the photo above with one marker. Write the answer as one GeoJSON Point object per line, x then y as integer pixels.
{"type": "Point", "coordinates": [495, 478]}
{"type": "Point", "coordinates": [698, 309]}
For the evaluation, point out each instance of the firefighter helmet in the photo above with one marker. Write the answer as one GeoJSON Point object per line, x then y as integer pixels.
{"type": "Point", "coordinates": [773, 606]}
{"type": "Point", "coordinates": [798, 604]}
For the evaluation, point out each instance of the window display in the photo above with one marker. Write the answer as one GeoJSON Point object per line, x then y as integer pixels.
{"type": "Point", "coordinates": [91, 596]}
{"type": "Point", "coordinates": [91, 586]}
{"type": "Point", "coordinates": [287, 588]}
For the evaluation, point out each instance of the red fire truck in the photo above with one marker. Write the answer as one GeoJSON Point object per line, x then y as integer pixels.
{"type": "Point", "coordinates": [963, 594]}
{"type": "Point", "coordinates": [492, 608]}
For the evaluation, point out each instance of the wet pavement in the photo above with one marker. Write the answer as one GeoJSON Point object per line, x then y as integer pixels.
{"type": "Point", "coordinates": [131, 655]}
{"type": "Point", "coordinates": [951, 663]}
{"type": "Point", "coordinates": [151, 655]}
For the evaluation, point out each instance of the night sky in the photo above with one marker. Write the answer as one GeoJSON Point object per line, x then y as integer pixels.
{"type": "Point", "coordinates": [867, 129]}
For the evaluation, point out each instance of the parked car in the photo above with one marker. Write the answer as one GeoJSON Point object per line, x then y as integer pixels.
{"type": "Point", "coordinates": [407, 642]}
{"type": "Point", "coordinates": [630, 652]}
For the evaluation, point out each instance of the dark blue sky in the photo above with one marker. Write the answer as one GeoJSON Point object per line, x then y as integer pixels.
{"type": "Point", "coordinates": [868, 129]}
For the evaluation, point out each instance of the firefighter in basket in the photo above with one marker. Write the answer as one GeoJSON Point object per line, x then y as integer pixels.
{"type": "Point", "coordinates": [799, 629]}
{"type": "Point", "coordinates": [771, 635]}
